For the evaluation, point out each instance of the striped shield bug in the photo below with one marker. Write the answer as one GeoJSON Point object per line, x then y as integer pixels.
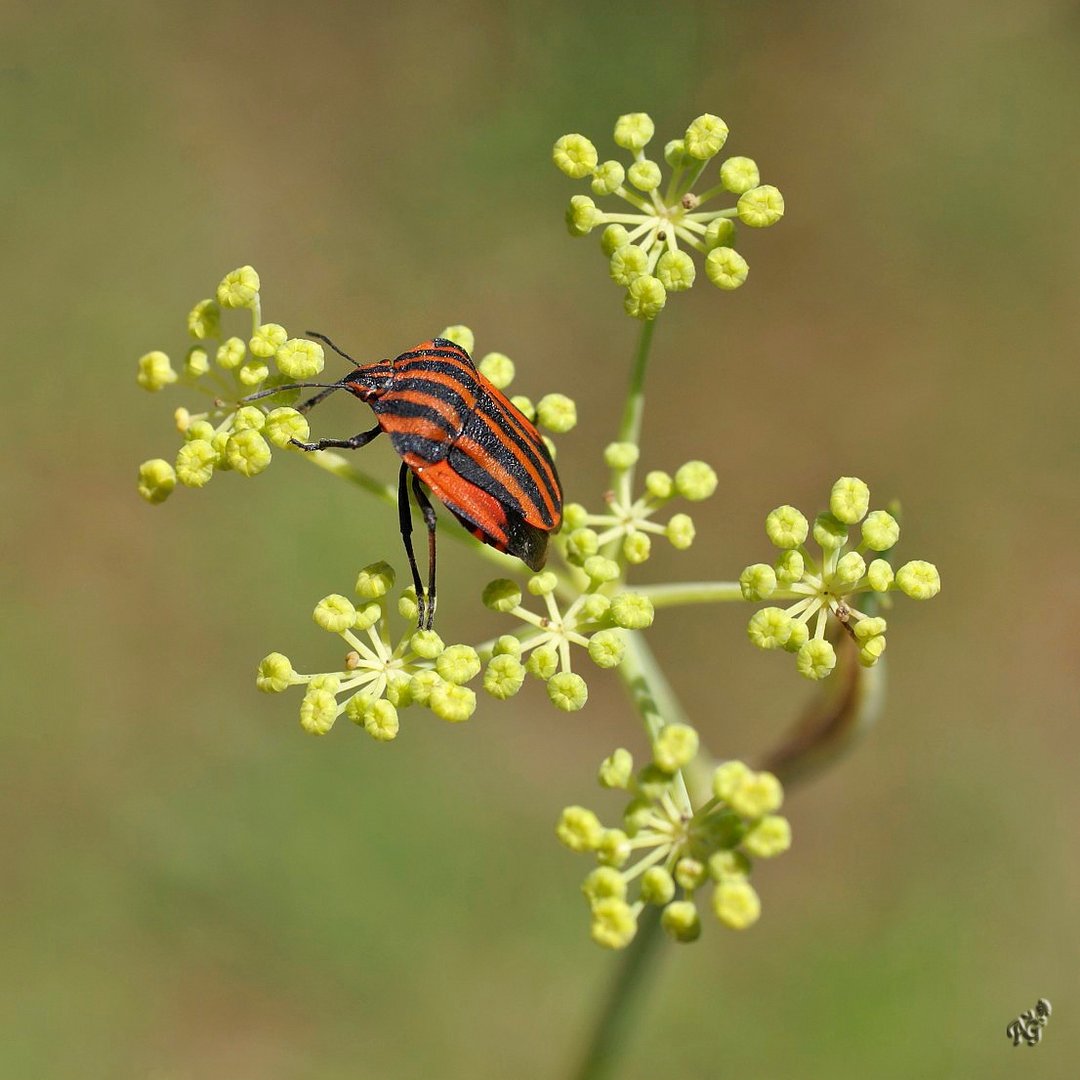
{"type": "Point", "coordinates": [461, 439]}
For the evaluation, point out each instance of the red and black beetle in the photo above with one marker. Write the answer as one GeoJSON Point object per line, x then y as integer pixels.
{"type": "Point", "coordinates": [461, 438]}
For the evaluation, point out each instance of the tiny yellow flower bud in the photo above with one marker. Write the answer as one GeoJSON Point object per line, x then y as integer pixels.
{"type": "Point", "coordinates": [689, 874]}
{"type": "Point", "coordinates": [524, 406]}
{"type": "Point", "coordinates": [770, 837]}
{"type": "Point", "coordinates": [247, 452]}
{"type": "Point", "coordinates": [543, 583]}
{"type": "Point", "coordinates": [705, 136]}
{"type": "Point", "coordinates": [398, 689]}
{"type": "Point", "coordinates": [736, 904]}
{"type": "Point", "coordinates": [601, 569]}
{"type": "Point", "coordinates": [367, 615]}
{"type": "Point", "coordinates": [816, 659]}
{"type": "Point", "coordinates": [614, 849]}
{"type": "Point", "coordinates": [621, 455]}
{"type": "Point", "coordinates": [557, 413]}
{"type": "Point", "coordinates": [636, 547]}
{"type": "Point", "coordinates": [195, 463]}
{"type": "Point", "coordinates": [770, 628]}
{"type": "Point", "coordinates": [657, 886]}
{"type": "Point", "coordinates": [451, 702]}
{"type": "Point", "coordinates": [204, 320]}
{"type": "Point", "coordinates": [918, 579]}
{"type": "Point", "coordinates": [157, 479]}
{"type": "Point", "coordinates": [507, 645]}
{"type": "Point", "coordinates": [155, 371]}
{"type": "Point", "coordinates": [800, 634]}
{"type": "Point", "coordinates": [868, 628]}
{"type": "Point", "coordinates": [574, 515]}
{"type": "Point", "coordinates": [568, 691]}
{"type": "Point", "coordinates": [676, 271]}
{"type": "Point", "coordinates": [582, 543]}
{"type": "Point", "coordinates": [239, 288]}
{"type": "Point", "coordinates": [849, 569]}
{"type": "Point", "coordinates": [604, 882]}
{"type": "Point", "coordinates": [502, 595]}
{"type": "Point", "coordinates": [675, 747]}
{"type": "Point", "coordinates": [758, 582]}
{"type": "Point", "coordinates": [613, 923]}
{"type": "Point", "coordinates": [249, 418]}
{"type": "Point", "coordinates": [880, 530]}
{"type": "Point", "coordinates": [681, 920]}
{"type": "Point", "coordinates": [720, 233]}
{"type": "Point", "coordinates": [616, 770]}
{"type": "Point", "coordinates": [575, 156]}
{"type": "Point", "coordinates": [608, 178]}
{"type": "Point", "coordinates": [786, 527]}
{"type": "Point", "coordinates": [579, 829]}
{"type": "Point", "coordinates": [220, 442]}
{"type": "Point", "coordinates": [829, 531]}
{"type": "Point", "coordinates": [582, 215]}
{"type": "Point", "coordinates": [267, 339]}
{"type": "Point", "coordinates": [275, 673]}
{"type": "Point", "coordinates": [728, 778]}
{"type": "Point", "coordinates": [871, 651]}
{"type": "Point", "coordinates": [595, 606]}
{"type": "Point", "coordinates": [790, 567]}
{"type": "Point", "coordinates": [318, 710]}
{"type": "Point", "coordinates": [504, 676]}
{"type": "Point", "coordinates": [543, 662]}
{"type": "Point", "coordinates": [645, 175]}
{"type": "Point", "coordinates": [728, 864]}
{"type": "Point", "coordinates": [460, 335]}
{"type": "Point", "coordinates": [675, 152]}
{"type": "Point", "coordinates": [739, 175]}
{"type": "Point", "coordinates": [458, 664]}
{"type": "Point", "coordinates": [498, 369]}
{"type": "Point", "coordinates": [426, 644]}
{"type": "Point", "coordinates": [880, 575]}
{"type": "Point", "coordinates": [607, 648]}
{"type": "Point", "coordinates": [850, 499]}
{"type": "Point", "coordinates": [375, 580]}
{"type": "Point", "coordinates": [613, 238]}
{"type": "Point", "coordinates": [695, 481]}
{"type": "Point", "coordinates": [760, 793]}
{"type": "Point", "coordinates": [627, 264]}
{"type": "Point", "coordinates": [253, 372]}
{"type": "Point", "coordinates": [726, 268]}
{"type": "Point", "coordinates": [645, 298]}
{"type": "Point", "coordinates": [634, 130]}
{"type": "Point", "coordinates": [285, 424]}
{"type": "Point", "coordinates": [299, 358]}
{"type": "Point", "coordinates": [680, 531]}
{"type": "Point", "coordinates": [381, 721]}
{"type": "Point", "coordinates": [231, 353]}
{"type": "Point", "coordinates": [659, 484]}
{"type": "Point", "coordinates": [196, 362]}
{"type": "Point", "coordinates": [761, 206]}
{"type": "Point", "coordinates": [334, 613]}
{"type": "Point", "coordinates": [632, 611]}
{"type": "Point", "coordinates": [422, 684]}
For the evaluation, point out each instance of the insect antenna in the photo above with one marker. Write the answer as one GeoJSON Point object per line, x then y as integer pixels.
{"type": "Point", "coordinates": [269, 392]}
{"type": "Point", "coordinates": [340, 352]}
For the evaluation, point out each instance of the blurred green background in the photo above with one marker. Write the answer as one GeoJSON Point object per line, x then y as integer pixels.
{"type": "Point", "coordinates": [191, 887]}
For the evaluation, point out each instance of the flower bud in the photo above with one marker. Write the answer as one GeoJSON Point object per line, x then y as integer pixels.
{"type": "Point", "coordinates": [195, 463]}
{"type": "Point", "coordinates": [676, 271]}
{"type": "Point", "coordinates": [614, 849]}
{"type": "Point", "coordinates": [739, 174]}
{"type": "Point", "coordinates": [581, 544]}
{"type": "Point", "coordinates": [816, 659]}
{"type": "Point", "coordinates": [880, 575]}
{"type": "Point", "coordinates": [607, 648]}
{"type": "Point", "coordinates": [451, 702]}
{"type": "Point", "coordinates": [426, 644]}
{"type": "Point", "coordinates": [829, 532]}
{"type": "Point", "coordinates": [759, 793]}
{"type": "Point", "coordinates": [636, 547]}
{"type": "Point", "coordinates": [557, 413]}
{"type": "Point", "coordinates": [249, 418]}
{"type": "Point", "coordinates": [659, 485]}
{"type": "Point", "coordinates": [627, 264]}
{"type": "Point", "coordinates": [579, 829]}
{"type": "Point", "coordinates": [604, 882]}
{"type": "Point", "coordinates": [871, 651]}
{"type": "Point", "coordinates": [375, 581]}
{"type": "Point", "coordinates": [567, 691]}
{"type": "Point", "coordinates": [645, 175]}
{"type": "Point", "coordinates": [681, 920]}
{"type": "Point", "coordinates": [600, 569]}
{"type": "Point", "coordinates": [239, 288]}
{"type": "Point", "coordinates": [850, 499]}
{"type": "Point", "coordinates": [790, 567]}
{"type": "Point", "coordinates": [770, 628]}
{"type": "Point", "coordinates": [458, 664]}
{"type": "Point", "coordinates": [633, 131]}
{"type": "Point", "coordinates": [736, 904]}
{"type": "Point", "coordinates": [608, 178]}
{"type": "Point", "coordinates": [675, 747]}
{"type": "Point", "coordinates": [204, 320]}
{"type": "Point", "coordinates": [645, 298]}
{"type": "Point", "coordinates": [613, 238]}
{"type": "Point", "coordinates": [786, 527]}
{"type": "Point", "coordinates": [720, 232]}
{"type": "Point", "coordinates": [155, 371]}
{"type": "Point", "coordinates": [632, 611]}
{"type": "Point", "coordinates": [157, 479]}
{"type": "Point", "coordinates": [318, 710]}
{"type": "Point", "coordinates": [334, 613]}
{"type": "Point", "coordinates": [695, 481]}
{"type": "Point", "coordinates": [275, 673]}
{"type": "Point", "coordinates": [705, 136]}
{"type": "Point", "coordinates": [680, 531]}
{"type": "Point", "coordinates": [460, 335]}
{"type": "Point", "coordinates": [880, 530]}
{"type": "Point", "coordinates": [613, 923]}
{"type": "Point", "coordinates": [849, 569]}
{"type": "Point", "coordinates": [728, 778]}
{"type": "Point", "coordinates": [616, 770]}
{"type": "Point", "coordinates": [252, 372]}
{"type": "Point", "coordinates": [299, 358]}
{"type": "Point", "coordinates": [675, 153]}
{"type": "Point", "coordinates": [498, 369]}
{"type": "Point", "coordinates": [770, 837]}
{"type": "Point", "coordinates": [502, 595]}
{"type": "Point", "coordinates": [689, 874]}
{"type": "Point", "coordinates": [230, 353]}
{"type": "Point", "coordinates": [267, 339]}
{"type": "Point", "coordinates": [761, 207]}
{"type": "Point", "coordinates": [582, 215]}
{"type": "Point", "coordinates": [544, 583]}
{"type": "Point", "coordinates": [918, 579]}
{"type": "Point", "coordinates": [758, 582]}
{"type": "Point", "coordinates": [196, 362]}
{"type": "Point", "coordinates": [726, 268]}
{"type": "Point", "coordinates": [657, 886]}
{"type": "Point", "coordinates": [543, 662]}
{"type": "Point", "coordinates": [285, 424]}
{"type": "Point", "coordinates": [247, 452]}
{"type": "Point", "coordinates": [504, 676]}
{"type": "Point", "coordinates": [575, 156]}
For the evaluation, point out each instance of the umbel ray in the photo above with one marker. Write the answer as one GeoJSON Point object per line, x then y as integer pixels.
{"type": "Point", "coordinates": [459, 437]}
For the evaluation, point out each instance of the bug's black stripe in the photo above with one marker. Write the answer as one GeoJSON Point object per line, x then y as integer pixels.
{"type": "Point", "coordinates": [529, 437]}
{"type": "Point", "coordinates": [459, 373]}
{"type": "Point", "coordinates": [476, 474]}
{"type": "Point", "coordinates": [453, 398]}
{"type": "Point", "coordinates": [413, 410]}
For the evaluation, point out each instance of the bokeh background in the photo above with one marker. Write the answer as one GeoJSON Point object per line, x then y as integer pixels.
{"type": "Point", "coordinates": [194, 889]}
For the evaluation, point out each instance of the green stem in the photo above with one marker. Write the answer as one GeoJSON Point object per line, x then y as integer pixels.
{"type": "Point", "coordinates": [622, 480]}
{"type": "Point", "coordinates": [614, 1027]}
{"type": "Point", "coordinates": [692, 592]}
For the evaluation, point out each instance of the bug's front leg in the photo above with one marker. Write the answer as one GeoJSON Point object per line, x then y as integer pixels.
{"type": "Point", "coordinates": [340, 444]}
{"type": "Point", "coordinates": [405, 524]}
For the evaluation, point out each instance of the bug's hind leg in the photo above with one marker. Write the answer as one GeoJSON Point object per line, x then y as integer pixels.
{"type": "Point", "coordinates": [428, 512]}
{"type": "Point", "coordinates": [340, 444]}
{"type": "Point", "coordinates": [405, 524]}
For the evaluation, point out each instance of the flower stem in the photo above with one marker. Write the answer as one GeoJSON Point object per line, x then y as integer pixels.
{"type": "Point", "coordinates": [692, 592]}
{"type": "Point", "coordinates": [622, 480]}
{"type": "Point", "coordinates": [624, 998]}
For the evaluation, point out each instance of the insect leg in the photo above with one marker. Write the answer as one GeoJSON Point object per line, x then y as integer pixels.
{"type": "Point", "coordinates": [343, 444]}
{"type": "Point", "coordinates": [428, 512]}
{"type": "Point", "coordinates": [405, 523]}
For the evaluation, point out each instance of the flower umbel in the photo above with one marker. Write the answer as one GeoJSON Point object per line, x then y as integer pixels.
{"type": "Point", "coordinates": [842, 585]}
{"type": "Point", "coordinates": [668, 851]}
{"type": "Point", "coordinates": [649, 242]}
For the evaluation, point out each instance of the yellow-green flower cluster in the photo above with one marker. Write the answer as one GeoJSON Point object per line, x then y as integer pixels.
{"type": "Point", "coordinates": [667, 852]}
{"type": "Point", "coordinates": [648, 244]}
{"type": "Point", "coordinates": [593, 620]}
{"type": "Point", "coordinates": [229, 436]}
{"type": "Point", "coordinates": [626, 530]}
{"type": "Point", "coordinates": [840, 585]}
{"type": "Point", "coordinates": [379, 676]}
